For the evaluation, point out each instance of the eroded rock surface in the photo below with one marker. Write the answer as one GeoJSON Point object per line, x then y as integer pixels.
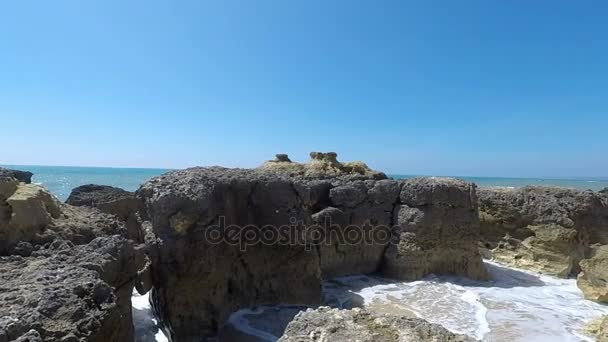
{"type": "Point", "coordinates": [21, 176]}
{"type": "Point", "coordinates": [593, 279]}
{"type": "Point", "coordinates": [327, 325]}
{"type": "Point", "coordinates": [113, 201]}
{"type": "Point", "coordinates": [541, 228]}
{"type": "Point", "coordinates": [66, 273]}
{"type": "Point", "coordinates": [437, 230]}
{"type": "Point", "coordinates": [197, 283]}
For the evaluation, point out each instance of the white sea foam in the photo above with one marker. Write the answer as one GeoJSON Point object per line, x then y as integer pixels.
{"type": "Point", "coordinates": [146, 325]}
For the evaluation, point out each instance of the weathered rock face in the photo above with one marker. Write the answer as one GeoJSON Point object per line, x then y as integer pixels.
{"type": "Point", "coordinates": [21, 176]}
{"type": "Point", "coordinates": [327, 325]}
{"type": "Point", "coordinates": [199, 280]}
{"type": "Point", "coordinates": [593, 280]}
{"type": "Point", "coordinates": [543, 229]}
{"type": "Point", "coordinates": [67, 292]}
{"type": "Point", "coordinates": [599, 329]}
{"type": "Point", "coordinates": [113, 201]}
{"type": "Point", "coordinates": [437, 230]}
{"type": "Point", "coordinates": [64, 273]}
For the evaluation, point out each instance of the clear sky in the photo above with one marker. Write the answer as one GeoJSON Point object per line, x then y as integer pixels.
{"type": "Point", "coordinates": [494, 88]}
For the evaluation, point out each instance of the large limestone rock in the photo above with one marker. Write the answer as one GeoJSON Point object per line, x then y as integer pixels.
{"type": "Point", "coordinates": [198, 280]}
{"type": "Point", "coordinates": [69, 293]}
{"type": "Point", "coordinates": [113, 201]}
{"type": "Point", "coordinates": [437, 230]}
{"type": "Point", "coordinates": [66, 273]}
{"type": "Point", "coordinates": [593, 280]}
{"type": "Point", "coordinates": [541, 228]}
{"type": "Point", "coordinates": [327, 325]}
{"type": "Point", "coordinates": [599, 329]}
{"type": "Point", "coordinates": [21, 176]}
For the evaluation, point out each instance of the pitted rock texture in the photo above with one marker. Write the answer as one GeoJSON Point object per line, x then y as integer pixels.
{"type": "Point", "coordinates": [113, 201]}
{"type": "Point", "coordinates": [66, 273]}
{"type": "Point", "coordinates": [593, 279]}
{"type": "Point", "coordinates": [328, 325]}
{"type": "Point", "coordinates": [21, 176]}
{"type": "Point", "coordinates": [30, 215]}
{"type": "Point", "coordinates": [437, 230]}
{"type": "Point", "coordinates": [65, 292]}
{"type": "Point", "coordinates": [541, 228]}
{"type": "Point", "coordinates": [198, 283]}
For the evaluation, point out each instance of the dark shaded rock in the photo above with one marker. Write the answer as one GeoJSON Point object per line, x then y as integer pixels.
{"type": "Point", "coordinates": [437, 229]}
{"type": "Point", "coordinates": [113, 201]}
{"type": "Point", "coordinates": [198, 280]}
{"type": "Point", "coordinates": [325, 324]}
{"type": "Point", "coordinates": [542, 228]}
{"type": "Point", "coordinates": [21, 176]}
{"type": "Point", "coordinates": [68, 291]}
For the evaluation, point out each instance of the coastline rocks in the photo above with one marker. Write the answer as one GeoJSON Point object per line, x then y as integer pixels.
{"type": "Point", "coordinates": [66, 273]}
{"type": "Point", "coordinates": [65, 292]}
{"type": "Point", "coordinates": [321, 165]}
{"type": "Point", "coordinates": [599, 329]}
{"type": "Point", "coordinates": [208, 259]}
{"type": "Point", "coordinates": [113, 201]}
{"type": "Point", "coordinates": [437, 230]}
{"type": "Point", "coordinates": [21, 176]}
{"type": "Point", "coordinates": [326, 325]}
{"type": "Point", "coordinates": [542, 228]}
{"type": "Point", "coordinates": [593, 279]}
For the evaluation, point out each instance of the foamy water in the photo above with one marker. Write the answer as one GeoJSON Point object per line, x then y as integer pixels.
{"type": "Point", "coordinates": [515, 306]}
{"type": "Point", "coordinates": [146, 325]}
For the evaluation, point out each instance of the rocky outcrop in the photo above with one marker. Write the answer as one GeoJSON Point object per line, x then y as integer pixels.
{"type": "Point", "coordinates": [541, 228]}
{"type": "Point", "coordinates": [21, 176]}
{"type": "Point", "coordinates": [113, 201]}
{"type": "Point", "coordinates": [599, 329]}
{"type": "Point", "coordinates": [593, 279]}
{"type": "Point", "coordinates": [65, 292]}
{"type": "Point", "coordinates": [437, 229]}
{"type": "Point", "coordinates": [321, 165]}
{"type": "Point", "coordinates": [326, 325]}
{"type": "Point", "coordinates": [211, 257]}
{"type": "Point", "coordinates": [66, 273]}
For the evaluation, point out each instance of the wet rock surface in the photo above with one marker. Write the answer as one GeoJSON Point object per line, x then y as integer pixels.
{"type": "Point", "coordinates": [326, 324]}
{"type": "Point", "coordinates": [593, 279]}
{"type": "Point", "coordinates": [544, 229]}
{"type": "Point", "coordinates": [197, 284]}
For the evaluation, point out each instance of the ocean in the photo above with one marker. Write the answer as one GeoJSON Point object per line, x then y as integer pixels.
{"type": "Point", "coordinates": [60, 180]}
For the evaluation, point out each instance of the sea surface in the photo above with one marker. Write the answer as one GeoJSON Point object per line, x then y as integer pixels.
{"type": "Point", "coordinates": [60, 180]}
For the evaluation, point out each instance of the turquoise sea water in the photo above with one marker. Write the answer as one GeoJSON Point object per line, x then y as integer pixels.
{"type": "Point", "coordinates": [60, 180]}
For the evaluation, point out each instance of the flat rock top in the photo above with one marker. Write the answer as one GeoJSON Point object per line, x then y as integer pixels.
{"type": "Point", "coordinates": [92, 194]}
{"type": "Point", "coordinates": [326, 324]}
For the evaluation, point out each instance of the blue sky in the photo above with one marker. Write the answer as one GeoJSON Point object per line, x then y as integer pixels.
{"type": "Point", "coordinates": [494, 88]}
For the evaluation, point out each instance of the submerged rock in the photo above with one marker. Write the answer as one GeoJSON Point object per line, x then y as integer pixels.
{"type": "Point", "coordinates": [325, 325]}
{"type": "Point", "coordinates": [593, 279]}
{"type": "Point", "coordinates": [21, 176]}
{"type": "Point", "coordinates": [542, 228]}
